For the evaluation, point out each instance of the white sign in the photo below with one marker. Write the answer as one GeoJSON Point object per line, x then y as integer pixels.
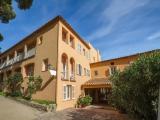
{"type": "Point", "coordinates": [52, 72]}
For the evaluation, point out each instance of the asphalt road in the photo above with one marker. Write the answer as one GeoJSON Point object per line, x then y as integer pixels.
{"type": "Point", "coordinates": [12, 110]}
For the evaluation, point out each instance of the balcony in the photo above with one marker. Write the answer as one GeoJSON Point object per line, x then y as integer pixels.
{"type": "Point", "coordinates": [10, 62]}
{"type": "Point", "coordinates": [2, 65]}
{"type": "Point", "coordinates": [19, 58]}
{"type": "Point", "coordinates": [72, 77]}
{"type": "Point", "coordinates": [64, 75]}
{"type": "Point", "coordinates": [30, 53]}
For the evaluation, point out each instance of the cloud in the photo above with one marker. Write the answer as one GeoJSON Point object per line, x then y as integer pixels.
{"type": "Point", "coordinates": [116, 10]}
{"type": "Point", "coordinates": [83, 11]}
{"type": "Point", "coordinates": [154, 36]}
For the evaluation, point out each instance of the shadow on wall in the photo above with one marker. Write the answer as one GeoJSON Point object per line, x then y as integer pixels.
{"type": "Point", "coordinates": [47, 83]}
{"type": "Point", "coordinates": [42, 87]}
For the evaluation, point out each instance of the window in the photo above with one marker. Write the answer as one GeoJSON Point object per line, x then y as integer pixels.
{"type": "Point", "coordinates": [112, 70]}
{"type": "Point", "coordinates": [79, 48]}
{"type": "Point", "coordinates": [131, 62]}
{"type": "Point", "coordinates": [84, 52]}
{"type": "Point", "coordinates": [112, 63]}
{"type": "Point", "coordinates": [107, 73]}
{"type": "Point", "coordinates": [71, 41]}
{"type": "Point", "coordinates": [64, 35]}
{"type": "Point", "coordinates": [88, 73]}
{"type": "Point", "coordinates": [40, 39]}
{"type": "Point", "coordinates": [45, 65]}
{"type": "Point", "coordinates": [95, 72]}
{"type": "Point", "coordinates": [94, 59]}
{"type": "Point", "coordinates": [79, 69]}
{"type": "Point", "coordinates": [85, 72]}
{"type": "Point", "coordinates": [73, 92]}
{"type": "Point", "coordinates": [68, 92]}
{"type": "Point", "coordinates": [29, 69]}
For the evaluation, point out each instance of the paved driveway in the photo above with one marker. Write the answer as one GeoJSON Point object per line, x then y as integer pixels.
{"type": "Point", "coordinates": [84, 114]}
{"type": "Point", "coordinates": [12, 110]}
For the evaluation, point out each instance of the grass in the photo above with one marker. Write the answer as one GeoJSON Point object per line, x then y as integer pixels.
{"type": "Point", "coordinates": [44, 102]}
{"type": "Point", "coordinates": [2, 93]}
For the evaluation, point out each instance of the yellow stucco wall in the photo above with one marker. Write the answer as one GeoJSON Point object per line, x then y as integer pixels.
{"type": "Point", "coordinates": [103, 68]}
{"type": "Point", "coordinates": [52, 48]}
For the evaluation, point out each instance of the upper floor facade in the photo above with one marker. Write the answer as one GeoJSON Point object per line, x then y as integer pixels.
{"type": "Point", "coordinates": [56, 46]}
{"type": "Point", "coordinates": [57, 39]}
{"type": "Point", "coordinates": [106, 68]}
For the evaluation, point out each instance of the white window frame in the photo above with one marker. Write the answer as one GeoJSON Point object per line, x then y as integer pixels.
{"type": "Point", "coordinates": [64, 92]}
{"type": "Point", "coordinates": [68, 92]}
{"type": "Point", "coordinates": [73, 92]}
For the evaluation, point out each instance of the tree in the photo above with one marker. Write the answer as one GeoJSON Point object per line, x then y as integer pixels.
{"type": "Point", "coordinates": [136, 89]}
{"type": "Point", "coordinates": [6, 10]}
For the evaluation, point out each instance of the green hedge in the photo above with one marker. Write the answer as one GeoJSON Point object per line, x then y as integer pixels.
{"type": "Point", "coordinates": [45, 102]}
{"type": "Point", "coordinates": [135, 90]}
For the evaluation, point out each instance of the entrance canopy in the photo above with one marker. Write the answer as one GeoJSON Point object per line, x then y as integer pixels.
{"type": "Point", "coordinates": [97, 83]}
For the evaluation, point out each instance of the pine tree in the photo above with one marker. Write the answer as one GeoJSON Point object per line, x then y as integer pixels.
{"type": "Point", "coordinates": [7, 12]}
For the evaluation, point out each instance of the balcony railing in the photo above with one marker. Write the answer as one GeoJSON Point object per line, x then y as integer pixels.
{"type": "Point", "coordinates": [10, 62]}
{"type": "Point", "coordinates": [2, 65]}
{"type": "Point", "coordinates": [30, 53]}
{"type": "Point", "coordinates": [64, 75]}
{"type": "Point", "coordinates": [19, 58]}
{"type": "Point", "coordinates": [72, 77]}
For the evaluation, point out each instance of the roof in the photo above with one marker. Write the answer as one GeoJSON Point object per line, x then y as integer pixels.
{"type": "Point", "coordinates": [97, 81]}
{"type": "Point", "coordinates": [53, 21]}
{"type": "Point", "coordinates": [133, 55]}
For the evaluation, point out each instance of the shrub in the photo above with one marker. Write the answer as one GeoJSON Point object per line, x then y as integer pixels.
{"type": "Point", "coordinates": [84, 101]}
{"type": "Point", "coordinates": [2, 93]}
{"type": "Point", "coordinates": [135, 90]}
{"type": "Point", "coordinates": [13, 85]}
{"type": "Point", "coordinates": [45, 102]}
{"type": "Point", "coordinates": [34, 85]}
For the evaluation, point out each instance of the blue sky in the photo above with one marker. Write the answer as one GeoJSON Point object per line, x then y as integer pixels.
{"type": "Point", "coordinates": [115, 27]}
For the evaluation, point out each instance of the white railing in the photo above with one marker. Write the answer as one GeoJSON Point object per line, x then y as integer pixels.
{"type": "Point", "coordinates": [30, 53]}
{"type": "Point", "coordinates": [2, 65]}
{"type": "Point", "coordinates": [64, 75]}
{"type": "Point", "coordinates": [10, 62]}
{"type": "Point", "coordinates": [19, 57]}
{"type": "Point", "coordinates": [72, 77]}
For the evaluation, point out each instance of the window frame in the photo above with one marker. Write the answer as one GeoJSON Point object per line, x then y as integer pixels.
{"type": "Point", "coordinates": [68, 92]}
{"type": "Point", "coordinates": [44, 65]}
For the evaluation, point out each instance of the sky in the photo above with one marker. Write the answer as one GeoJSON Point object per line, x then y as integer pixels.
{"type": "Point", "coordinates": [116, 27]}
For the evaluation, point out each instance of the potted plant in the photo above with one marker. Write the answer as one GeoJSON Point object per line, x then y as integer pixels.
{"type": "Point", "coordinates": [84, 101]}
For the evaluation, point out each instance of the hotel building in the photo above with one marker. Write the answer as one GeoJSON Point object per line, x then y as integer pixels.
{"type": "Point", "coordinates": [78, 66]}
